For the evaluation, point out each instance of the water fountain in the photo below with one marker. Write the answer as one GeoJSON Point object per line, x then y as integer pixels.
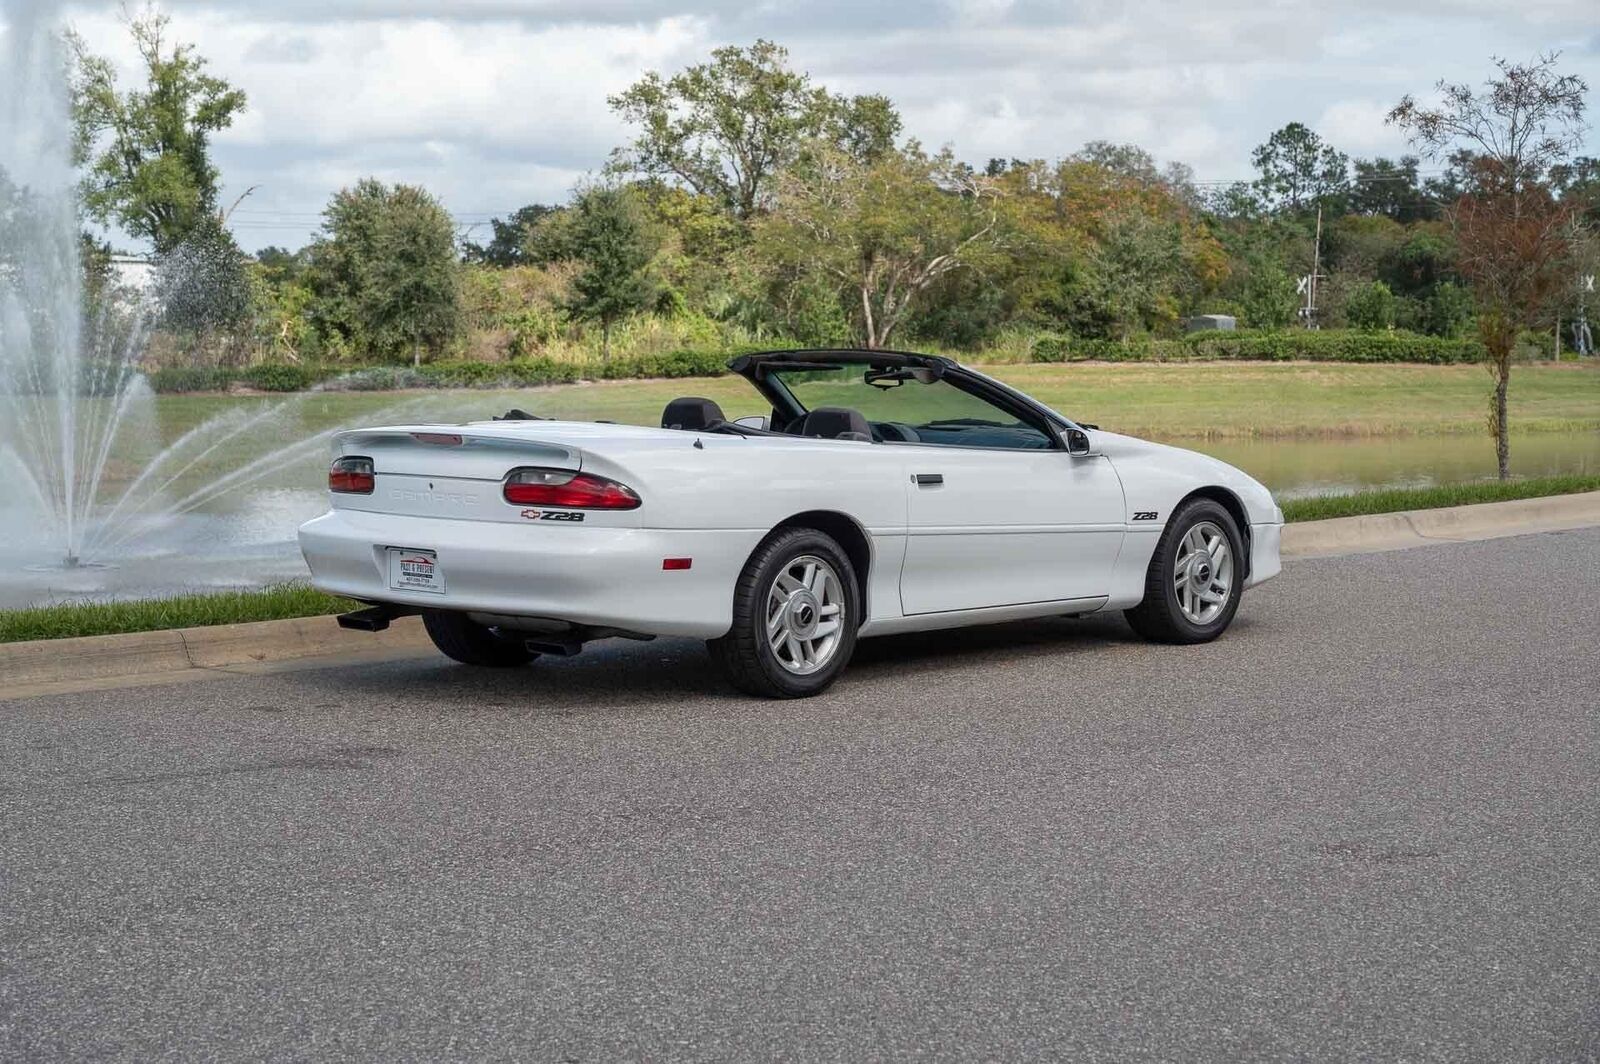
{"type": "Point", "coordinates": [46, 436]}
{"type": "Point", "coordinates": [93, 486]}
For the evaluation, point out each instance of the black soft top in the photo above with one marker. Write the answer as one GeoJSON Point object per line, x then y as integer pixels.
{"type": "Point", "coordinates": [824, 357]}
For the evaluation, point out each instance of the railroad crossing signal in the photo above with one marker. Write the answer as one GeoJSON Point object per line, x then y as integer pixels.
{"type": "Point", "coordinates": [1586, 283]}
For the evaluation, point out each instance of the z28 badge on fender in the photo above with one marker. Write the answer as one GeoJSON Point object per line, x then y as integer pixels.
{"type": "Point", "coordinates": [552, 515]}
{"type": "Point", "coordinates": [1145, 515]}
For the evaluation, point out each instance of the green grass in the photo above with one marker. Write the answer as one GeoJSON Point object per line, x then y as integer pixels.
{"type": "Point", "coordinates": [1208, 400]}
{"type": "Point", "coordinates": [1394, 499]}
{"type": "Point", "coordinates": [71, 619]}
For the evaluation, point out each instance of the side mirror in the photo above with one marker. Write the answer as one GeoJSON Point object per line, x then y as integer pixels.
{"type": "Point", "coordinates": [1079, 445]}
{"type": "Point", "coordinates": [753, 421]}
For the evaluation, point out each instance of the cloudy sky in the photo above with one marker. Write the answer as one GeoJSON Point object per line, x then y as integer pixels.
{"type": "Point", "coordinates": [497, 103]}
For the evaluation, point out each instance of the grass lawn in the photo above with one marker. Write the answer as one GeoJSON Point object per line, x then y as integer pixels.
{"type": "Point", "coordinates": [1207, 400]}
{"type": "Point", "coordinates": [71, 619]}
{"type": "Point", "coordinates": [1218, 399]}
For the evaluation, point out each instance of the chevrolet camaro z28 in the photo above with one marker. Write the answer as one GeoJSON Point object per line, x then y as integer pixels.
{"type": "Point", "coordinates": [883, 492]}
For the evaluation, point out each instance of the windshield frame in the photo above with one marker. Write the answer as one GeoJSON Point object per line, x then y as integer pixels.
{"type": "Point", "coordinates": [758, 370]}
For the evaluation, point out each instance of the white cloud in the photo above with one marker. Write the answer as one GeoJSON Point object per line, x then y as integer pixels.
{"type": "Point", "coordinates": [1357, 127]}
{"type": "Point", "coordinates": [497, 103]}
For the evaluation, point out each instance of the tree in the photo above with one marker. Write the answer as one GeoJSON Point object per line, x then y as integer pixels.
{"type": "Point", "coordinates": [1578, 184]}
{"type": "Point", "coordinates": [412, 300]}
{"type": "Point", "coordinates": [203, 284]}
{"type": "Point", "coordinates": [1270, 300]}
{"type": "Point", "coordinates": [147, 152]}
{"type": "Point", "coordinates": [1370, 307]}
{"type": "Point", "coordinates": [508, 244]}
{"type": "Point", "coordinates": [1447, 311]}
{"type": "Point", "coordinates": [1113, 246]}
{"type": "Point", "coordinates": [384, 270]}
{"type": "Point", "coordinates": [1299, 170]}
{"type": "Point", "coordinates": [609, 238]}
{"type": "Point", "coordinates": [1390, 189]}
{"type": "Point", "coordinates": [1513, 237]}
{"type": "Point", "coordinates": [880, 232]}
{"type": "Point", "coordinates": [725, 127]}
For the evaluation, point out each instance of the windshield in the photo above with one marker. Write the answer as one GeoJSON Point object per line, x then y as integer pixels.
{"type": "Point", "coordinates": [911, 405]}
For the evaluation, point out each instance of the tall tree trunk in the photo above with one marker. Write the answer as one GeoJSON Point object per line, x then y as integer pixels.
{"type": "Point", "coordinates": [605, 339]}
{"type": "Point", "coordinates": [1502, 432]}
{"type": "Point", "coordinates": [416, 354]}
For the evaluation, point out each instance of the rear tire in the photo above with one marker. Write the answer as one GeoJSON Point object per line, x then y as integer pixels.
{"type": "Point", "coordinates": [796, 608]}
{"type": "Point", "coordinates": [471, 643]}
{"type": "Point", "coordinates": [1192, 588]}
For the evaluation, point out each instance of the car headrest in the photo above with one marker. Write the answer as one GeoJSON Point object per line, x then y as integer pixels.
{"type": "Point", "coordinates": [836, 423]}
{"type": "Point", "coordinates": [691, 413]}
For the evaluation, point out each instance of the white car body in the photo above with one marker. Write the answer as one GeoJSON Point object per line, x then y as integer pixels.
{"type": "Point", "coordinates": [1007, 534]}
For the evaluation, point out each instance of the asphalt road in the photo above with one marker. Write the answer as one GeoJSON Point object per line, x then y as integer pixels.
{"type": "Point", "coordinates": [1365, 825]}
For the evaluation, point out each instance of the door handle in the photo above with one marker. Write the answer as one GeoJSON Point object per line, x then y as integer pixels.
{"type": "Point", "coordinates": [928, 480]}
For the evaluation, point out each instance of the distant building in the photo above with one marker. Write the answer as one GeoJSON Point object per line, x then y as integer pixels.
{"type": "Point", "coordinates": [133, 273]}
{"type": "Point", "coordinates": [1204, 322]}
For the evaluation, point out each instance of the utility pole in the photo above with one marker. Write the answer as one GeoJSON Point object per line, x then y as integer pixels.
{"type": "Point", "coordinates": [1582, 339]}
{"type": "Point", "coordinates": [1308, 284]}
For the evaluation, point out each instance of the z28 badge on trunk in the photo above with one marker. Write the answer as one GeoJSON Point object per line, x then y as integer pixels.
{"type": "Point", "coordinates": [552, 515]}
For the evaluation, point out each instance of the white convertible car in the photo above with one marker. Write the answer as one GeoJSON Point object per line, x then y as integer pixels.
{"type": "Point", "coordinates": [885, 492]}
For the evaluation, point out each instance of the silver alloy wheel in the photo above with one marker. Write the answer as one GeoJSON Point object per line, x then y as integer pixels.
{"type": "Point", "coordinates": [1203, 575]}
{"type": "Point", "coordinates": [805, 614]}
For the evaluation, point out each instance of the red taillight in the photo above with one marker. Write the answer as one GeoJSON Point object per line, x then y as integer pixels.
{"type": "Point", "coordinates": [563, 487]}
{"type": "Point", "coordinates": [351, 476]}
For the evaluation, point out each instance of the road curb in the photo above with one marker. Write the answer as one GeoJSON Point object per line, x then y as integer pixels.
{"type": "Point", "coordinates": [147, 656]}
{"type": "Point", "coordinates": [138, 655]}
{"type": "Point", "coordinates": [1416, 528]}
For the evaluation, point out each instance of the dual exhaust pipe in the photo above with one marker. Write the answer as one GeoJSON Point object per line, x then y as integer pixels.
{"type": "Point", "coordinates": [377, 618]}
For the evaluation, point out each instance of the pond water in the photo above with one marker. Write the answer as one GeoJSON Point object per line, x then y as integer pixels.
{"type": "Point", "coordinates": [244, 536]}
{"type": "Point", "coordinates": [1339, 466]}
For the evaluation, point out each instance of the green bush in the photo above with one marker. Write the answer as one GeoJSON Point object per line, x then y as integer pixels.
{"type": "Point", "coordinates": [1370, 307]}
{"type": "Point", "coordinates": [192, 379]}
{"type": "Point", "coordinates": [1246, 345]}
{"type": "Point", "coordinates": [280, 377]}
{"type": "Point", "coordinates": [378, 379]}
{"type": "Point", "coordinates": [459, 373]}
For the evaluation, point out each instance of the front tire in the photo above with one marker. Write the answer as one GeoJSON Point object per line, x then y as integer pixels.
{"type": "Point", "coordinates": [796, 608]}
{"type": "Point", "coordinates": [471, 643]}
{"type": "Point", "coordinates": [1195, 578]}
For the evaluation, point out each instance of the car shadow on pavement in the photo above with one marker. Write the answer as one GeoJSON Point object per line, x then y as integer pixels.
{"type": "Point", "coordinates": [618, 674]}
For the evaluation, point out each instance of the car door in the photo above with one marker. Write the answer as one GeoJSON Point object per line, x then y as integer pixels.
{"type": "Point", "coordinates": [993, 527]}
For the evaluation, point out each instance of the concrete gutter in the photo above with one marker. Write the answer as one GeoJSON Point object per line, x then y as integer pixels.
{"type": "Point", "coordinates": [57, 666]}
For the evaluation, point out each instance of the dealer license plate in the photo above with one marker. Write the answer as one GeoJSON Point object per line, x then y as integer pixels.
{"type": "Point", "coordinates": [415, 570]}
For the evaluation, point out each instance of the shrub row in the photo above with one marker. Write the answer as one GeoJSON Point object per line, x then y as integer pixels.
{"type": "Point", "coordinates": [535, 371]}
{"type": "Point", "coordinates": [267, 377]}
{"type": "Point", "coordinates": [1265, 347]}
{"type": "Point", "coordinates": [459, 373]}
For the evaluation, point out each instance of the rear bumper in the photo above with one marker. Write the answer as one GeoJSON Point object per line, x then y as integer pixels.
{"type": "Point", "coordinates": [605, 577]}
{"type": "Point", "coordinates": [1265, 563]}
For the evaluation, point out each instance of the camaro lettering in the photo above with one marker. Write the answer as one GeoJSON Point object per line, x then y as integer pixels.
{"type": "Point", "coordinates": [552, 515]}
{"type": "Point", "coordinates": [449, 498]}
{"type": "Point", "coordinates": [1145, 515]}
